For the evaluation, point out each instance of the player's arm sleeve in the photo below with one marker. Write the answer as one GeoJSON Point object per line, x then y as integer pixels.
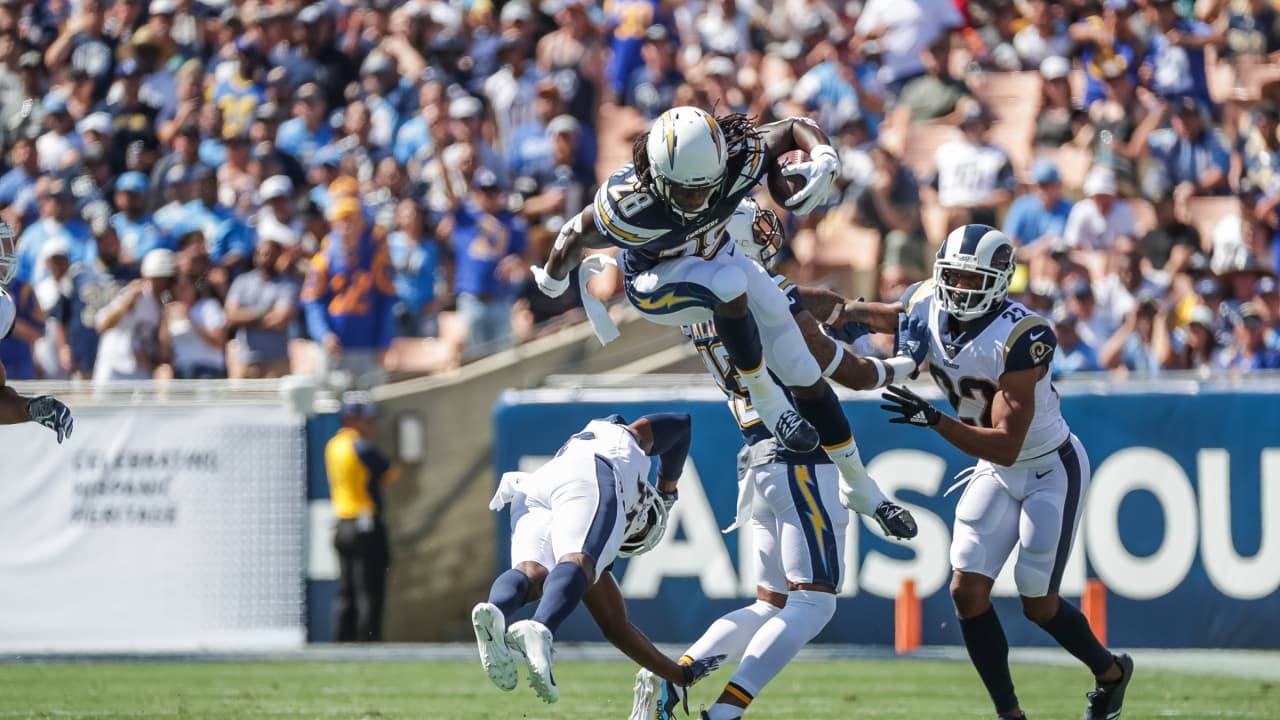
{"type": "Point", "coordinates": [672, 435]}
{"type": "Point", "coordinates": [604, 601]}
{"type": "Point", "coordinates": [1031, 344]}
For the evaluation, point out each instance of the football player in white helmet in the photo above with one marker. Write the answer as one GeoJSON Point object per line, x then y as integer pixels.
{"type": "Point", "coordinates": [990, 356]}
{"type": "Point", "coordinates": [15, 408]}
{"type": "Point", "coordinates": [569, 520]}
{"type": "Point", "coordinates": [668, 211]}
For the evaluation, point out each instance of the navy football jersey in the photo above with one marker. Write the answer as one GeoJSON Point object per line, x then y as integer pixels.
{"type": "Point", "coordinates": [716, 357]}
{"type": "Point", "coordinates": [639, 222]}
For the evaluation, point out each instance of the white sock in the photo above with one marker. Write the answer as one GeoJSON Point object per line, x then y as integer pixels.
{"type": "Point", "coordinates": [781, 637]}
{"type": "Point", "coordinates": [858, 490]}
{"type": "Point", "coordinates": [766, 395]}
{"type": "Point", "coordinates": [730, 633]}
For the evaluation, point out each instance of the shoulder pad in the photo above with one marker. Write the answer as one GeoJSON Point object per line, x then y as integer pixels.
{"type": "Point", "coordinates": [1030, 344]}
{"type": "Point", "coordinates": [8, 313]}
{"type": "Point", "coordinates": [918, 296]}
{"type": "Point", "coordinates": [625, 214]}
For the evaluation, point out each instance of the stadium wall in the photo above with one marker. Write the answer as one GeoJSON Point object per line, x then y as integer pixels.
{"type": "Point", "coordinates": [166, 524]}
{"type": "Point", "coordinates": [1182, 522]}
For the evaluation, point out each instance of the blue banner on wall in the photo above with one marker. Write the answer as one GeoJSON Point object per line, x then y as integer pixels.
{"type": "Point", "coordinates": [1183, 487]}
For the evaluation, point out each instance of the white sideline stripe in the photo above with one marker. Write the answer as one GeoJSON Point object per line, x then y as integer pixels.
{"type": "Point", "coordinates": [322, 559]}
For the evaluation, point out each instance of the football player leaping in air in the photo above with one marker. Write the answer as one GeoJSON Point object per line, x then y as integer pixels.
{"type": "Point", "coordinates": [667, 210]}
{"type": "Point", "coordinates": [570, 519]}
{"type": "Point", "coordinates": [792, 502]}
{"type": "Point", "coordinates": [990, 356]}
{"type": "Point", "coordinates": [14, 408]}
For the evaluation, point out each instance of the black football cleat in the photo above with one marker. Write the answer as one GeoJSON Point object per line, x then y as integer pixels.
{"type": "Point", "coordinates": [795, 433]}
{"type": "Point", "coordinates": [1106, 699]}
{"type": "Point", "coordinates": [896, 521]}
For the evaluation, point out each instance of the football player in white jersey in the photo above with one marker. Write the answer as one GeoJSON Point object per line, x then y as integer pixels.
{"type": "Point", "coordinates": [990, 356]}
{"type": "Point", "coordinates": [570, 520]}
{"type": "Point", "coordinates": [668, 209]}
{"type": "Point", "coordinates": [15, 408]}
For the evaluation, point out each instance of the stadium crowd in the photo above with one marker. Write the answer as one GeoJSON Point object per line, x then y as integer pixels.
{"type": "Point", "coordinates": [197, 187]}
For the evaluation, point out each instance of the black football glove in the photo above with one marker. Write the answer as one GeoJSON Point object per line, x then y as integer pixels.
{"type": "Point", "coordinates": [913, 409]}
{"type": "Point", "coordinates": [51, 413]}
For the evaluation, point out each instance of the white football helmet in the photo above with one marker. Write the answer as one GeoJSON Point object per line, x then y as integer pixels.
{"type": "Point", "coordinates": [8, 253]}
{"type": "Point", "coordinates": [983, 251]}
{"type": "Point", "coordinates": [686, 151]}
{"type": "Point", "coordinates": [646, 523]}
{"type": "Point", "coordinates": [757, 232]}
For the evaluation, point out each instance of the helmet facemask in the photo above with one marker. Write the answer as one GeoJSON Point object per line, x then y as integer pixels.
{"type": "Point", "coordinates": [971, 300]}
{"type": "Point", "coordinates": [646, 523]}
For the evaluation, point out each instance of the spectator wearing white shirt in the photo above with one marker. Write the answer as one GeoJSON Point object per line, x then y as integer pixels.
{"type": "Point", "coordinates": [197, 331]}
{"type": "Point", "coordinates": [1118, 290]}
{"type": "Point", "coordinates": [134, 340]}
{"type": "Point", "coordinates": [975, 179]}
{"type": "Point", "coordinates": [1046, 36]}
{"type": "Point", "coordinates": [904, 29]}
{"type": "Point", "coordinates": [1096, 221]}
{"type": "Point", "coordinates": [58, 145]}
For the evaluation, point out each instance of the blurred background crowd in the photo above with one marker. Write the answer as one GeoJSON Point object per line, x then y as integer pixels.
{"type": "Point", "coordinates": [248, 189]}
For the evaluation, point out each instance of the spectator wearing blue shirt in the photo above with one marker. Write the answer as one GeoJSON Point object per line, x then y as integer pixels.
{"type": "Point", "coordinates": [651, 88]}
{"type": "Point", "coordinates": [1072, 355]}
{"type": "Point", "coordinates": [488, 243]}
{"type": "Point", "coordinates": [136, 231]}
{"type": "Point", "coordinates": [1192, 158]}
{"type": "Point", "coordinates": [25, 168]}
{"type": "Point", "coordinates": [309, 129]}
{"type": "Point", "coordinates": [627, 22]}
{"type": "Point", "coordinates": [416, 259]}
{"type": "Point", "coordinates": [1174, 62]}
{"type": "Point", "coordinates": [91, 287]}
{"type": "Point", "coordinates": [1102, 36]}
{"type": "Point", "coordinates": [1250, 351]}
{"type": "Point", "coordinates": [182, 186]}
{"type": "Point", "coordinates": [1040, 215]}
{"type": "Point", "coordinates": [349, 297]}
{"type": "Point", "coordinates": [57, 219]}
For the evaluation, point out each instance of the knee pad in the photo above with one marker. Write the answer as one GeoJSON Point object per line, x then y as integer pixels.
{"type": "Point", "coordinates": [728, 283]}
{"type": "Point", "coordinates": [809, 610]}
{"type": "Point", "coordinates": [788, 356]}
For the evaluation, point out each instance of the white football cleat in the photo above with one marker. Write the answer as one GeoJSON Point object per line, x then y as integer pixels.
{"type": "Point", "coordinates": [491, 638]}
{"type": "Point", "coordinates": [654, 698]}
{"type": "Point", "coordinates": [533, 640]}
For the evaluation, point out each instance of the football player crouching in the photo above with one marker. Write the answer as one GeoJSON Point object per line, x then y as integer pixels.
{"type": "Point", "coordinates": [570, 519]}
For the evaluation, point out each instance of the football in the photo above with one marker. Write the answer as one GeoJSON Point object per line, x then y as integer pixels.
{"type": "Point", "coordinates": [782, 187]}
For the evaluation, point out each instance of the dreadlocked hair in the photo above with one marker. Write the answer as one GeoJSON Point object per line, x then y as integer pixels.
{"type": "Point", "coordinates": [736, 128]}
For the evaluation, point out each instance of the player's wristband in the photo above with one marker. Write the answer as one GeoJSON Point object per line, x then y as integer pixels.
{"type": "Point", "coordinates": [879, 365]}
{"type": "Point", "coordinates": [835, 361]}
{"type": "Point", "coordinates": [903, 366]}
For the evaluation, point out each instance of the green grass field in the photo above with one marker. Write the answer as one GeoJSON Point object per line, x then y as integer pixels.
{"type": "Point", "coordinates": [897, 690]}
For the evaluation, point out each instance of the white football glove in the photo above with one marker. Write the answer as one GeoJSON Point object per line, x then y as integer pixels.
{"type": "Point", "coordinates": [549, 286]}
{"type": "Point", "coordinates": [819, 173]}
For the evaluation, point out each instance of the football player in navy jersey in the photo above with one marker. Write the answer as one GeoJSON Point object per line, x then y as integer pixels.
{"type": "Point", "coordinates": [15, 408]}
{"type": "Point", "coordinates": [790, 502]}
{"type": "Point", "coordinates": [668, 210]}
{"type": "Point", "coordinates": [990, 356]}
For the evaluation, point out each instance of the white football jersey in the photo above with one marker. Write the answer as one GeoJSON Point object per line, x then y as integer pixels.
{"type": "Point", "coordinates": [967, 366]}
{"type": "Point", "coordinates": [614, 442]}
{"type": "Point", "coordinates": [8, 313]}
{"type": "Point", "coordinates": [968, 173]}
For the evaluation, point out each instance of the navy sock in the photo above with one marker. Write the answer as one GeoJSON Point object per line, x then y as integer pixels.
{"type": "Point", "coordinates": [741, 340]}
{"type": "Point", "coordinates": [1072, 631]}
{"type": "Point", "coordinates": [989, 650]}
{"type": "Point", "coordinates": [561, 592]}
{"type": "Point", "coordinates": [824, 413]}
{"type": "Point", "coordinates": [509, 591]}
